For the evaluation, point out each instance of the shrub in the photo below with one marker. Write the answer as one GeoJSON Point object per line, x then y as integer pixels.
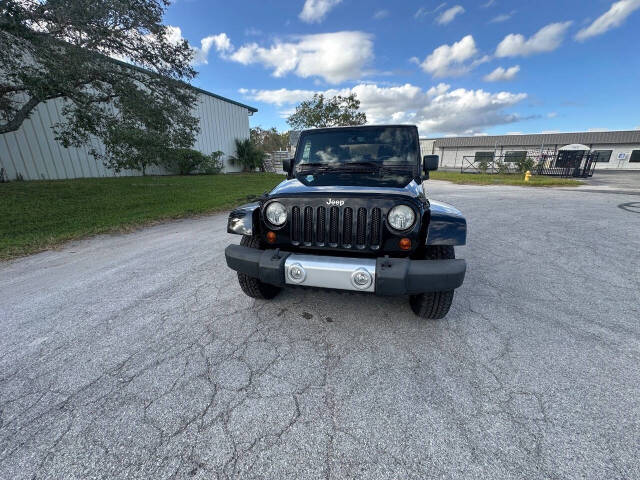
{"type": "Point", "coordinates": [187, 161]}
{"type": "Point", "coordinates": [502, 167]}
{"type": "Point", "coordinates": [184, 161]}
{"type": "Point", "coordinates": [212, 165]}
{"type": "Point", "coordinates": [248, 155]}
{"type": "Point", "coordinates": [525, 164]}
{"type": "Point", "coordinates": [483, 165]}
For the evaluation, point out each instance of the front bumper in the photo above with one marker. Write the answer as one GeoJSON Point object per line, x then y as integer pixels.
{"type": "Point", "coordinates": [387, 276]}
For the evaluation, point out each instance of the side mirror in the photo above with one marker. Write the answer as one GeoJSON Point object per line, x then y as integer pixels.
{"type": "Point", "coordinates": [430, 163]}
{"type": "Point", "coordinates": [286, 166]}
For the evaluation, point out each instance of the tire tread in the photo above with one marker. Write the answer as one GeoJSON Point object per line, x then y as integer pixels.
{"type": "Point", "coordinates": [434, 305]}
{"type": "Point", "coordinates": [251, 286]}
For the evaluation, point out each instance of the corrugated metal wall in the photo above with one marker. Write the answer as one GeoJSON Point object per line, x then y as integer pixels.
{"type": "Point", "coordinates": [454, 157]}
{"type": "Point", "coordinates": [33, 152]}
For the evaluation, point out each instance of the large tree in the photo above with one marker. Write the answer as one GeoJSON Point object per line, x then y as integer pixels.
{"type": "Point", "coordinates": [269, 140]}
{"type": "Point", "coordinates": [320, 112]}
{"type": "Point", "coordinates": [66, 49]}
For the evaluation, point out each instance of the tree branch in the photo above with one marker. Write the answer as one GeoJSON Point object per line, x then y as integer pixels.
{"type": "Point", "coordinates": [20, 116]}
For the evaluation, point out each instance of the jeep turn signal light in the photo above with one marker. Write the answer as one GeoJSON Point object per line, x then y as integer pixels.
{"type": "Point", "coordinates": [405, 243]}
{"type": "Point", "coordinates": [271, 237]}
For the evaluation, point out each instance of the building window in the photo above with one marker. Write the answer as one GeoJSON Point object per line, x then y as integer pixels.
{"type": "Point", "coordinates": [569, 158]}
{"type": "Point", "coordinates": [515, 156]}
{"type": "Point", "coordinates": [484, 157]}
{"type": "Point", "coordinates": [602, 156]}
{"type": "Point", "coordinates": [635, 156]}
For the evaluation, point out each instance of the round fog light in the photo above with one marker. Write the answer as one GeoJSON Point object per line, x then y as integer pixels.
{"type": "Point", "coordinates": [361, 279]}
{"type": "Point", "coordinates": [296, 273]}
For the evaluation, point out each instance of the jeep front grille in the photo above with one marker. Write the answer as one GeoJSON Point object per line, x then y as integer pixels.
{"type": "Point", "coordinates": [347, 226]}
{"type": "Point", "coordinates": [295, 224]}
{"type": "Point", "coordinates": [311, 227]}
{"type": "Point", "coordinates": [308, 224]}
{"type": "Point", "coordinates": [333, 225]}
{"type": "Point", "coordinates": [321, 225]}
{"type": "Point", "coordinates": [375, 223]}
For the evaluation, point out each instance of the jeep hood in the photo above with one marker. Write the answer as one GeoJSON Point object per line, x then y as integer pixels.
{"type": "Point", "coordinates": [298, 187]}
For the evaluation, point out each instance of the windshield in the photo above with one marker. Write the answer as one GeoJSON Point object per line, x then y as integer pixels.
{"type": "Point", "coordinates": [370, 147]}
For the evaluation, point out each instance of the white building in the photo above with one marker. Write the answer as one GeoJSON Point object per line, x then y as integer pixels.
{"type": "Point", "coordinates": [614, 150]}
{"type": "Point", "coordinates": [32, 153]}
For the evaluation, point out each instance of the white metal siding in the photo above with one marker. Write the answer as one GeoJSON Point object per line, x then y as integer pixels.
{"type": "Point", "coordinates": [426, 146]}
{"type": "Point", "coordinates": [453, 157]}
{"type": "Point", "coordinates": [613, 162]}
{"type": "Point", "coordinates": [33, 152]}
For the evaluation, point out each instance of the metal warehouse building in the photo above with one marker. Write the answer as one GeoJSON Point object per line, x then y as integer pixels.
{"type": "Point", "coordinates": [32, 153]}
{"type": "Point", "coordinates": [611, 150]}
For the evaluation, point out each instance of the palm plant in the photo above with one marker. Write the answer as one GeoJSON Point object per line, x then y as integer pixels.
{"type": "Point", "coordinates": [248, 155]}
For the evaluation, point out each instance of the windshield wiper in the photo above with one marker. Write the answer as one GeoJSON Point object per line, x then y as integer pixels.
{"type": "Point", "coordinates": [375, 165]}
{"type": "Point", "coordinates": [306, 167]}
{"type": "Point", "coordinates": [363, 167]}
{"type": "Point", "coordinates": [379, 167]}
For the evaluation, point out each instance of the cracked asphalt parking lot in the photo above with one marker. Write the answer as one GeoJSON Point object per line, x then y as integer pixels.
{"type": "Point", "coordinates": [137, 356]}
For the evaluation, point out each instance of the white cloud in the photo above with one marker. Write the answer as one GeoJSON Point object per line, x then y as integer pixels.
{"type": "Point", "coordinates": [448, 15]}
{"type": "Point", "coordinates": [502, 17]}
{"type": "Point", "coordinates": [314, 11]}
{"type": "Point", "coordinates": [221, 42]}
{"type": "Point", "coordinates": [174, 34]}
{"type": "Point", "coordinates": [436, 110]}
{"type": "Point", "coordinates": [222, 45]}
{"type": "Point", "coordinates": [333, 57]}
{"type": "Point", "coordinates": [380, 14]}
{"type": "Point", "coordinates": [488, 4]}
{"type": "Point", "coordinates": [546, 39]}
{"type": "Point", "coordinates": [424, 11]}
{"type": "Point", "coordinates": [282, 96]}
{"type": "Point", "coordinates": [552, 114]}
{"type": "Point", "coordinates": [501, 74]}
{"type": "Point", "coordinates": [451, 60]}
{"type": "Point", "coordinates": [252, 32]}
{"type": "Point", "coordinates": [612, 18]}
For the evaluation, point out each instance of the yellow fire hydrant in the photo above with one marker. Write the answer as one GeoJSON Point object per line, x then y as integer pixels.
{"type": "Point", "coordinates": [527, 176]}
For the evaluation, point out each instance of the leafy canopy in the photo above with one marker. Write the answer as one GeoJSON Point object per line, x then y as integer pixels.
{"type": "Point", "coordinates": [269, 140]}
{"type": "Point", "coordinates": [321, 112]}
{"type": "Point", "coordinates": [66, 49]}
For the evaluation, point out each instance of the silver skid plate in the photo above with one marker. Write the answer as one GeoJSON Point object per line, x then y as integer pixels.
{"type": "Point", "coordinates": [343, 273]}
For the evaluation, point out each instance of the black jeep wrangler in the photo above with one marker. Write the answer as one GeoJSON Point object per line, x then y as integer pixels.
{"type": "Point", "coordinates": [352, 215]}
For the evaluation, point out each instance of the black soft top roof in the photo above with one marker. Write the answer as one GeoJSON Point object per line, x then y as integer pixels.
{"type": "Point", "coordinates": [358, 127]}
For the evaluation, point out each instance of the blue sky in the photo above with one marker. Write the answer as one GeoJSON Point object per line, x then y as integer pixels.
{"type": "Point", "coordinates": [455, 67]}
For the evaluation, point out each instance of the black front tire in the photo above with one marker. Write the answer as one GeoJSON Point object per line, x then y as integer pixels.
{"type": "Point", "coordinates": [251, 286]}
{"type": "Point", "coordinates": [434, 305]}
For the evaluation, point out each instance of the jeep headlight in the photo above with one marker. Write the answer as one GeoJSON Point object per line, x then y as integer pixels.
{"type": "Point", "coordinates": [276, 214]}
{"type": "Point", "coordinates": [401, 217]}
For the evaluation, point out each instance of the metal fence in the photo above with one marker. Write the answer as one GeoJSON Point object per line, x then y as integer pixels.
{"type": "Point", "coordinates": [562, 164]}
{"type": "Point", "coordinates": [273, 161]}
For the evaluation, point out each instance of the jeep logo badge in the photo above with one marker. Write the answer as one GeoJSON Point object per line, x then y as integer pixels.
{"type": "Point", "coordinates": [338, 203]}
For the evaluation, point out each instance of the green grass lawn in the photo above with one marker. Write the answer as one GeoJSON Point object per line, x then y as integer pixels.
{"type": "Point", "coordinates": [503, 179]}
{"type": "Point", "coordinates": [38, 215]}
